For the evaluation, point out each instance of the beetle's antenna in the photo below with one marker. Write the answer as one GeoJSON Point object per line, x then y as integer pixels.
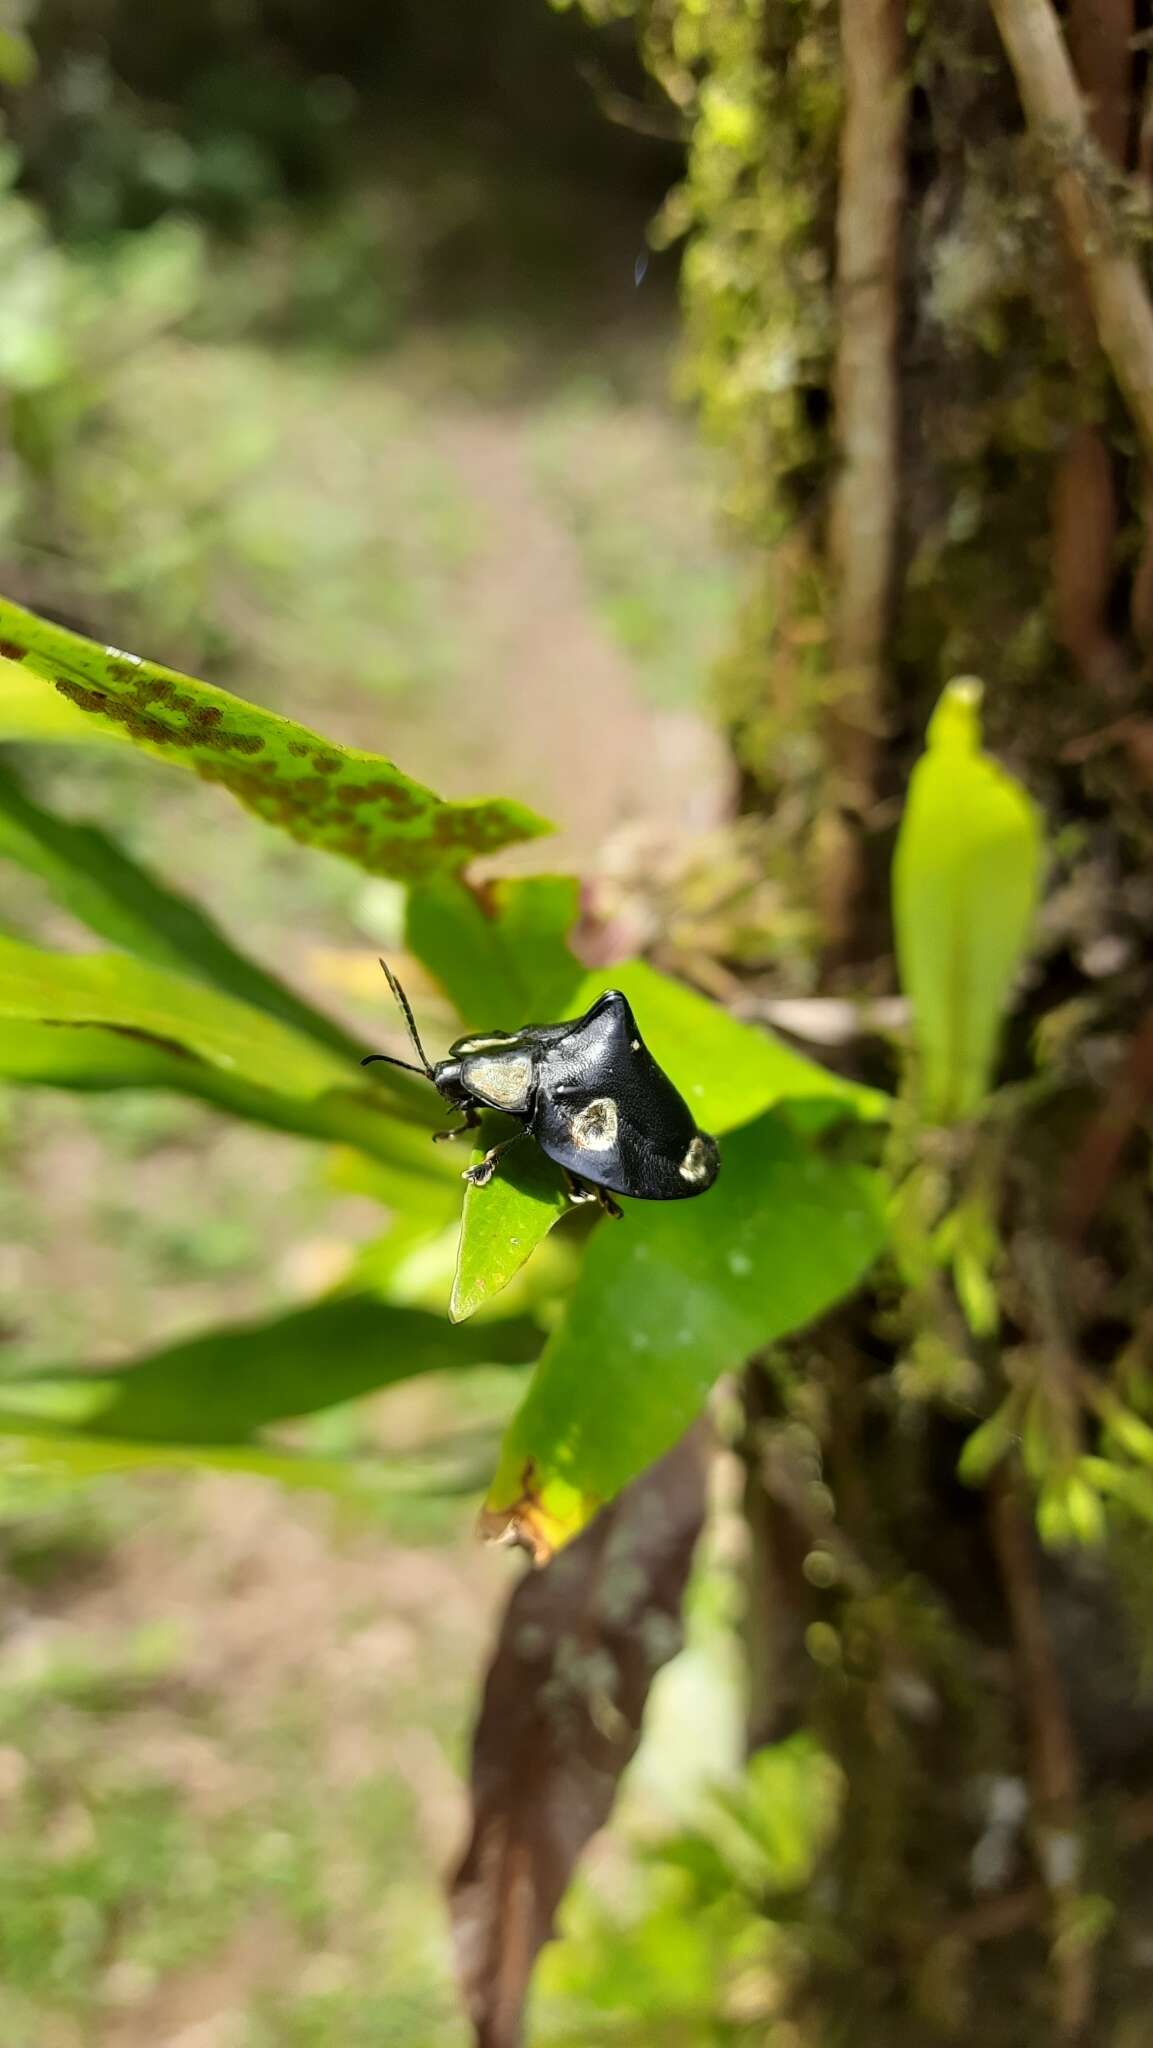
{"type": "Point", "coordinates": [371, 1057]}
{"type": "Point", "coordinates": [406, 1012]}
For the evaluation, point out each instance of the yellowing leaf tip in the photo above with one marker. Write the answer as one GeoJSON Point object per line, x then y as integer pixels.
{"type": "Point", "coordinates": [956, 722]}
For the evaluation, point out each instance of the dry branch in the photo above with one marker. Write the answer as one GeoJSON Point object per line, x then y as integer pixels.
{"type": "Point", "coordinates": [1057, 115]}
{"type": "Point", "coordinates": [1085, 513]}
{"type": "Point", "coordinates": [866, 491]}
{"type": "Point", "coordinates": [563, 1702]}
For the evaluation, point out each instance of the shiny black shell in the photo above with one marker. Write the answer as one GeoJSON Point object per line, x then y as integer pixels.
{"type": "Point", "coordinates": [594, 1098]}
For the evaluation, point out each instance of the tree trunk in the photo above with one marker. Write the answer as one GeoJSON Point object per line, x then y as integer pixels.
{"type": "Point", "coordinates": [957, 480]}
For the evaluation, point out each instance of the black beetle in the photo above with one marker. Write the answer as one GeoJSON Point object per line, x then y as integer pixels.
{"type": "Point", "coordinates": [589, 1091]}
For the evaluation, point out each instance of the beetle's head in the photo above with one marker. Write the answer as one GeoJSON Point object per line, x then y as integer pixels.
{"type": "Point", "coordinates": [446, 1078]}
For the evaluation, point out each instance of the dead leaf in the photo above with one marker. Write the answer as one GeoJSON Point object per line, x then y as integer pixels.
{"type": "Point", "coordinates": [561, 1717]}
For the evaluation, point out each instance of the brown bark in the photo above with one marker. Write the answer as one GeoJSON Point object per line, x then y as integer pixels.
{"type": "Point", "coordinates": [1057, 115]}
{"type": "Point", "coordinates": [866, 489]}
{"type": "Point", "coordinates": [1085, 515]}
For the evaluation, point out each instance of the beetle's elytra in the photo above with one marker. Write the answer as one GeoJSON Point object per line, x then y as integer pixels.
{"type": "Point", "coordinates": [591, 1094]}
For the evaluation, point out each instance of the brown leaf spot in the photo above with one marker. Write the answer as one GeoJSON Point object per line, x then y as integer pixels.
{"type": "Point", "coordinates": [401, 802]}
{"type": "Point", "coordinates": [80, 695]}
{"type": "Point", "coordinates": [12, 650]}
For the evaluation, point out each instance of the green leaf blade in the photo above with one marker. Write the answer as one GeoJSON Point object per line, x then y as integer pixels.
{"type": "Point", "coordinates": [966, 882]}
{"type": "Point", "coordinates": [667, 1301]}
{"type": "Point", "coordinates": [119, 900]}
{"type": "Point", "coordinates": [501, 959]}
{"type": "Point", "coordinates": [90, 1059]}
{"type": "Point", "coordinates": [181, 1016]}
{"type": "Point", "coordinates": [223, 1385]}
{"type": "Point", "coordinates": [350, 802]}
{"type": "Point", "coordinates": [502, 1224]}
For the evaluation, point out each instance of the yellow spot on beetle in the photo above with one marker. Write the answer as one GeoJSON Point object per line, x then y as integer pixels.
{"type": "Point", "coordinates": [594, 1128]}
{"type": "Point", "coordinates": [504, 1083]}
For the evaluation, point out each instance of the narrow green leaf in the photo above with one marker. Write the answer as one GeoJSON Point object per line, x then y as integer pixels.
{"type": "Point", "coordinates": [222, 1386]}
{"type": "Point", "coordinates": [989, 1443]}
{"type": "Point", "coordinates": [500, 955]}
{"type": "Point", "coordinates": [966, 879]}
{"type": "Point", "coordinates": [352, 803]}
{"type": "Point", "coordinates": [667, 1300]}
{"type": "Point", "coordinates": [1133, 1489]}
{"type": "Point", "coordinates": [30, 712]}
{"type": "Point", "coordinates": [183, 1016]}
{"type": "Point", "coordinates": [93, 1059]}
{"type": "Point", "coordinates": [95, 879]}
{"type": "Point", "coordinates": [84, 1456]}
{"type": "Point", "coordinates": [1126, 1430]}
{"type": "Point", "coordinates": [99, 1021]}
{"type": "Point", "coordinates": [502, 1224]}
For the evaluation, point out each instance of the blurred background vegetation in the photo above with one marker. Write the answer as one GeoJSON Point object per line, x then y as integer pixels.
{"type": "Point", "coordinates": [323, 368]}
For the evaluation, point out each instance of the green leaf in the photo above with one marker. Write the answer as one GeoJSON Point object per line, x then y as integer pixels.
{"type": "Point", "coordinates": [102, 1021]}
{"type": "Point", "coordinates": [499, 953]}
{"type": "Point", "coordinates": [90, 1058]}
{"type": "Point", "coordinates": [502, 1224]}
{"type": "Point", "coordinates": [84, 1456]}
{"type": "Point", "coordinates": [352, 803]}
{"type": "Point", "coordinates": [99, 883]}
{"type": "Point", "coordinates": [30, 712]}
{"type": "Point", "coordinates": [990, 1442]}
{"type": "Point", "coordinates": [1132, 1489]}
{"type": "Point", "coordinates": [1069, 1510]}
{"type": "Point", "coordinates": [1126, 1431]}
{"type": "Point", "coordinates": [222, 1386]}
{"type": "Point", "coordinates": [667, 1300]}
{"type": "Point", "coordinates": [966, 879]}
{"type": "Point", "coordinates": [183, 1016]}
{"type": "Point", "coordinates": [17, 58]}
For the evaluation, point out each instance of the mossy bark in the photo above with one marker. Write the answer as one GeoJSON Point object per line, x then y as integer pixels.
{"type": "Point", "coordinates": [994, 1872]}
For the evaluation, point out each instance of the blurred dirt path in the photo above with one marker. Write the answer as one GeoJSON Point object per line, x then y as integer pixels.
{"type": "Point", "coordinates": [576, 737]}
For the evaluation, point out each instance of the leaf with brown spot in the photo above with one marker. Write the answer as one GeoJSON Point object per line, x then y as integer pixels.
{"type": "Point", "coordinates": [561, 1717]}
{"type": "Point", "coordinates": [123, 994]}
{"type": "Point", "coordinates": [358, 804]}
{"type": "Point", "coordinates": [100, 883]}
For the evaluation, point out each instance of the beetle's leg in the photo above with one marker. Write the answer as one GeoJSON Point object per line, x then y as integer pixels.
{"type": "Point", "coordinates": [479, 1176]}
{"type": "Point", "coordinates": [579, 1192]}
{"type": "Point", "coordinates": [471, 1120]}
